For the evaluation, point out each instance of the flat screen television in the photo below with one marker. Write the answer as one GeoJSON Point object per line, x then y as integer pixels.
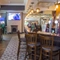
{"type": "Point", "coordinates": [14, 16]}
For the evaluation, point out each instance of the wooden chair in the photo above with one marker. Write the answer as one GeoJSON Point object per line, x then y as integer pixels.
{"type": "Point", "coordinates": [20, 40]}
{"type": "Point", "coordinates": [18, 33]}
{"type": "Point", "coordinates": [1, 33]}
{"type": "Point", "coordinates": [47, 48]}
{"type": "Point", "coordinates": [31, 41]}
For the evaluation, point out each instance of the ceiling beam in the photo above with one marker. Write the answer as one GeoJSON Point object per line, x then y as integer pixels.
{"type": "Point", "coordinates": [12, 7]}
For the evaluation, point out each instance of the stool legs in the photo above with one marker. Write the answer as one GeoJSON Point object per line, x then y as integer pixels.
{"type": "Point", "coordinates": [59, 54]}
{"type": "Point", "coordinates": [50, 56]}
{"type": "Point", "coordinates": [40, 54]}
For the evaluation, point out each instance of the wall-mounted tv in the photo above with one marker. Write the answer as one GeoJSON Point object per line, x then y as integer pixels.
{"type": "Point", "coordinates": [14, 16]}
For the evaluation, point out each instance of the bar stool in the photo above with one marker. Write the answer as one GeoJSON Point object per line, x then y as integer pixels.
{"type": "Point", "coordinates": [31, 42]}
{"type": "Point", "coordinates": [18, 33]}
{"type": "Point", "coordinates": [47, 48]}
{"type": "Point", "coordinates": [1, 33]}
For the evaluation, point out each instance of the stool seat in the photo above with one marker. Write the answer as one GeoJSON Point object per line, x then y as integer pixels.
{"type": "Point", "coordinates": [32, 44]}
{"type": "Point", "coordinates": [31, 41]}
{"type": "Point", "coordinates": [47, 47]}
{"type": "Point", "coordinates": [55, 48]}
{"type": "Point", "coordinates": [23, 39]}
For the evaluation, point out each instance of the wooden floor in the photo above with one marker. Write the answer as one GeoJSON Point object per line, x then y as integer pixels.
{"type": "Point", "coordinates": [3, 45]}
{"type": "Point", "coordinates": [4, 42]}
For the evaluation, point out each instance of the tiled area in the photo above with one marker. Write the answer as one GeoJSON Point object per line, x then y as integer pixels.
{"type": "Point", "coordinates": [8, 36]}
{"type": "Point", "coordinates": [4, 42]}
{"type": "Point", "coordinates": [11, 51]}
{"type": "Point", "coordinates": [8, 48]}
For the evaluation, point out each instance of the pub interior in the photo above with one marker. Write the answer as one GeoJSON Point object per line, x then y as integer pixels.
{"type": "Point", "coordinates": [47, 29]}
{"type": "Point", "coordinates": [30, 31]}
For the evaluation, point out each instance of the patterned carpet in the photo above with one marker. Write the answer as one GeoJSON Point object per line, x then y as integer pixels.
{"type": "Point", "coordinates": [11, 51]}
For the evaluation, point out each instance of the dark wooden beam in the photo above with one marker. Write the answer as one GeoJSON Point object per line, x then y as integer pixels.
{"type": "Point", "coordinates": [12, 7]}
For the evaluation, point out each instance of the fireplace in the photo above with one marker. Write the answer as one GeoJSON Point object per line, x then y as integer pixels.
{"type": "Point", "coordinates": [14, 28]}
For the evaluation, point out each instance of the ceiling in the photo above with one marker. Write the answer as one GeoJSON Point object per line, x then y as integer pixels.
{"type": "Point", "coordinates": [43, 4]}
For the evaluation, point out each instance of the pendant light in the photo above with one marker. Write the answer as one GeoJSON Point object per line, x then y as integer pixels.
{"type": "Point", "coordinates": [57, 5]}
{"type": "Point", "coordinates": [31, 9]}
{"type": "Point", "coordinates": [38, 9]}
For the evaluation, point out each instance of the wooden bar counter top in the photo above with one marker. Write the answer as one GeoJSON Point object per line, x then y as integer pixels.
{"type": "Point", "coordinates": [47, 33]}
{"type": "Point", "coordinates": [56, 37]}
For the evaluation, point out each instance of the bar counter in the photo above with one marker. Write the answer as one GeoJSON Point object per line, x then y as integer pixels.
{"type": "Point", "coordinates": [56, 37]}
{"type": "Point", "coordinates": [47, 33]}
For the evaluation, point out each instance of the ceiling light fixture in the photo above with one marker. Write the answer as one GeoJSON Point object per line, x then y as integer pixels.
{"type": "Point", "coordinates": [38, 9]}
{"type": "Point", "coordinates": [57, 5]}
{"type": "Point", "coordinates": [31, 9]}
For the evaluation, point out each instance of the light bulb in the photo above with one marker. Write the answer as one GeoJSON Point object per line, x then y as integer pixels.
{"type": "Point", "coordinates": [56, 6]}
{"type": "Point", "coordinates": [56, 22]}
{"type": "Point", "coordinates": [30, 13]}
{"type": "Point", "coordinates": [49, 22]}
{"type": "Point", "coordinates": [37, 10]}
{"type": "Point", "coordinates": [32, 10]}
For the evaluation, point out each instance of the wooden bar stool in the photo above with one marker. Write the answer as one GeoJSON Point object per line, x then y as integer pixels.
{"type": "Point", "coordinates": [1, 33]}
{"type": "Point", "coordinates": [18, 33]}
{"type": "Point", "coordinates": [47, 48]}
{"type": "Point", "coordinates": [21, 39]}
{"type": "Point", "coordinates": [31, 42]}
